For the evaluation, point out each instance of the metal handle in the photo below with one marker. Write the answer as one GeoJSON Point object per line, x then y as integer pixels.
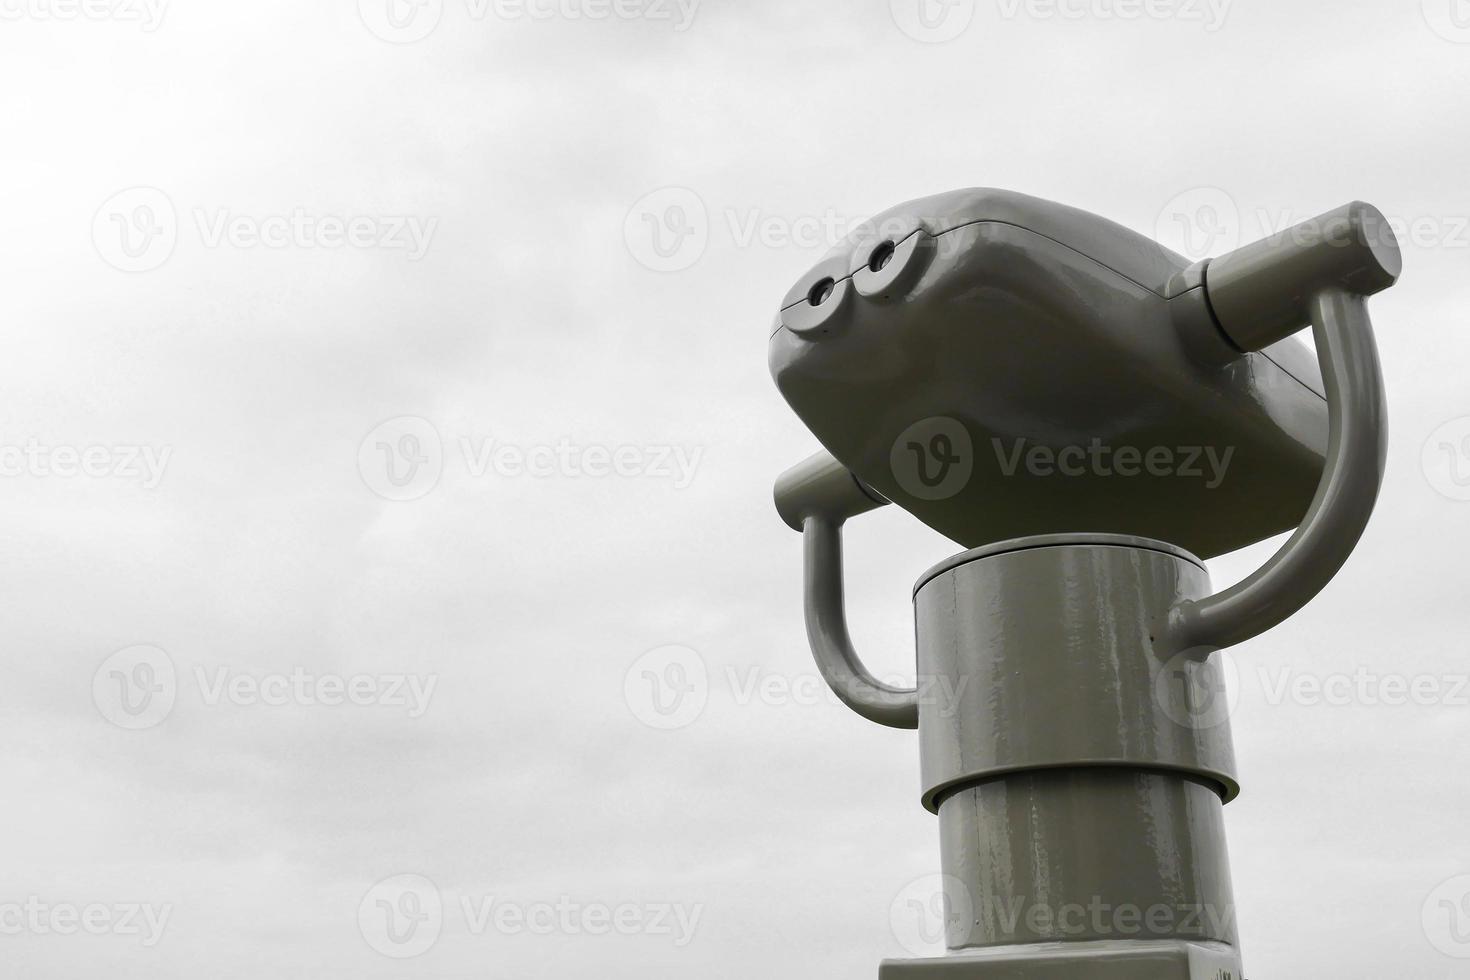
{"type": "Point", "coordinates": [817, 496]}
{"type": "Point", "coordinates": [1335, 303]}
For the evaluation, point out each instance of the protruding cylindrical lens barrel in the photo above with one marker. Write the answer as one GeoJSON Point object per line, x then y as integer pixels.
{"type": "Point", "coordinates": [1261, 293]}
{"type": "Point", "coordinates": [819, 486]}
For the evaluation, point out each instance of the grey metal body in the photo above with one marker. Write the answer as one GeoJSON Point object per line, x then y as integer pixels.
{"type": "Point", "coordinates": [1066, 766]}
{"type": "Point", "coordinates": [1079, 780]}
{"type": "Point", "coordinates": [1029, 665]}
{"type": "Point", "coordinates": [1039, 328]}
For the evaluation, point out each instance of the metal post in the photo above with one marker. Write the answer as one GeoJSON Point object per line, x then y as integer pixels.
{"type": "Point", "coordinates": [1079, 780]}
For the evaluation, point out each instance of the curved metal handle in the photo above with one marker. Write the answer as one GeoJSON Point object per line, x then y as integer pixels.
{"type": "Point", "coordinates": [826, 630]}
{"type": "Point", "coordinates": [1357, 448]}
{"type": "Point", "coordinates": [817, 496]}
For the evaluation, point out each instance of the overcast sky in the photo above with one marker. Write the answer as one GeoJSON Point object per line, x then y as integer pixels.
{"type": "Point", "coordinates": [383, 391]}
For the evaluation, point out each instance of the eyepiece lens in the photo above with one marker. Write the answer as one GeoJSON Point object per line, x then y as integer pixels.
{"type": "Point", "coordinates": [882, 255]}
{"type": "Point", "coordinates": [820, 291]}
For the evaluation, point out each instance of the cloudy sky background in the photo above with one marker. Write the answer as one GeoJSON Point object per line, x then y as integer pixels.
{"type": "Point", "coordinates": [539, 315]}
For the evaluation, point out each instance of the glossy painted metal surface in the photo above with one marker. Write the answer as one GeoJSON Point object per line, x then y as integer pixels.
{"type": "Point", "coordinates": [1264, 291]}
{"type": "Point", "coordinates": [1071, 769]}
{"type": "Point", "coordinates": [1066, 855]}
{"type": "Point", "coordinates": [819, 486]}
{"type": "Point", "coordinates": [826, 630]}
{"type": "Point", "coordinates": [1036, 654]}
{"type": "Point", "coordinates": [1079, 780]}
{"type": "Point", "coordinates": [1339, 513]}
{"type": "Point", "coordinates": [1102, 960]}
{"type": "Point", "coordinates": [1035, 327]}
{"type": "Point", "coordinates": [816, 496]}
{"type": "Point", "coordinates": [1073, 729]}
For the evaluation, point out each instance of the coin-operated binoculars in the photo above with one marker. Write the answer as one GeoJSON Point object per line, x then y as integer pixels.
{"type": "Point", "coordinates": [1091, 415]}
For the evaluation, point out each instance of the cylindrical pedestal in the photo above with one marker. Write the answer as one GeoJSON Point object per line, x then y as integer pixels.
{"type": "Point", "coordinates": [1067, 854]}
{"type": "Point", "coordinates": [1079, 779]}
